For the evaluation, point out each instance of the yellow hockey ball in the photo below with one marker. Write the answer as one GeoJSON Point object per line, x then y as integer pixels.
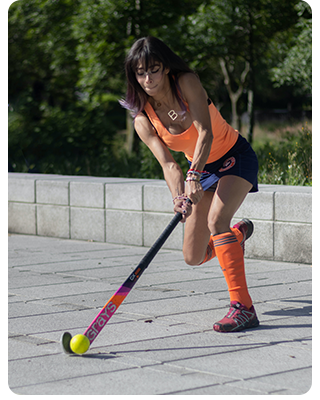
{"type": "Point", "coordinates": [79, 344]}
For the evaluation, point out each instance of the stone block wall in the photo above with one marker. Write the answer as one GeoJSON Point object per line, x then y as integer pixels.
{"type": "Point", "coordinates": [135, 212]}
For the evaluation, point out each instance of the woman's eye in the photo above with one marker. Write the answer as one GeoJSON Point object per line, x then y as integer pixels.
{"type": "Point", "coordinates": [152, 72]}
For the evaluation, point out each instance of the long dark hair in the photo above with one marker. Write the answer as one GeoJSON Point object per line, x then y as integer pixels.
{"type": "Point", "coordinates": [148, 50]}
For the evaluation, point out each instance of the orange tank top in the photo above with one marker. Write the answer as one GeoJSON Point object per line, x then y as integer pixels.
{"type": "Point", "coordinates": [224, 136]}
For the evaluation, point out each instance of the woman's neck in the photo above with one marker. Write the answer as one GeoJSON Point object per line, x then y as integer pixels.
{"type": "Point", "coordinates": [164, 97]}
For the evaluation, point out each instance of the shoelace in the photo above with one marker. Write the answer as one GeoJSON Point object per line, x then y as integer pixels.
{"type": "Point", "coordinates": [240, 316]}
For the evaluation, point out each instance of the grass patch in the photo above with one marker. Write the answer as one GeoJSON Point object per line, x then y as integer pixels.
{"type": "Point", "coordinates": [284, 154]}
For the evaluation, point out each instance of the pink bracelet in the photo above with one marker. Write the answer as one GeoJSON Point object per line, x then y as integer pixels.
{"type": "Point", "coordinates": [193, 172]}
{"type": "Point", "coordinates": [196, 171]}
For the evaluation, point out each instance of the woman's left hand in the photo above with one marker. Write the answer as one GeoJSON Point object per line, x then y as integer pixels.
{"type": "Point", "coordinates": [194, 191]}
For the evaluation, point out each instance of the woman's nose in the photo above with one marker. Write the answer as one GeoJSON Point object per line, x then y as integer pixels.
{"type": "Point", "coordinates": [148, 78]}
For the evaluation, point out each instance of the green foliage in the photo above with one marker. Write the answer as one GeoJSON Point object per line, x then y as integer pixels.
{"type": "Point", "coordinates": [295, 68]}
{"type": "Point", "coordinates": [75, 141]}
{"type": "Point", "coordinates": [151, 169]}
{"type": "Point", "coordinates": [66, 76]}
{"type": "Point", "coordinates": [106, 29]}
{"type": "Point", "coordinates": [66, 71]}
{"type": "Point", "coordinates": [288, 162]}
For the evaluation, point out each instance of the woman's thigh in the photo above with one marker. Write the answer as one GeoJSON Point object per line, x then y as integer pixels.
{"type": "Point", "coordinates": [229, 195]}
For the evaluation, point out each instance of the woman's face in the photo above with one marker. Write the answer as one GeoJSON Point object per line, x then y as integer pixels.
{"type": "Point", "coordinates": [153, 80]}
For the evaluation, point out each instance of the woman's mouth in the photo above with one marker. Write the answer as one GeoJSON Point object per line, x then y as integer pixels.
{"type": "Point", "coordinates": [150, 88]}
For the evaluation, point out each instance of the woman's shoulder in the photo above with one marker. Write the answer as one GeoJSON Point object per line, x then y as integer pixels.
{"type": "Point", "coordinates": [188, 78]}
{"type": "Point", "coordinates": [140, 119]}
{"type": "Point", "coordinates": [190, 85]}
{"type": "Point", "coordinates": [142, 124]}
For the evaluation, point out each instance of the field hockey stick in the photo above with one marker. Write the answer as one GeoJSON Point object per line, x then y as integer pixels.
{"type": "Point", "coordinates": [113, 304]}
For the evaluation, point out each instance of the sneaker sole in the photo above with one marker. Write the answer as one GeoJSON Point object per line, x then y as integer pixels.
{"type": "Point", "coordinates": [254, 324]}
{"type": "Point", "coordinates": [250, 227]}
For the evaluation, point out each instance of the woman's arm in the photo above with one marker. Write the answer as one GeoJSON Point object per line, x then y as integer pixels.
{"type": "Point", "coordinates": [196, 97]}
{"type": "Point", "coordinates": [171, 170]}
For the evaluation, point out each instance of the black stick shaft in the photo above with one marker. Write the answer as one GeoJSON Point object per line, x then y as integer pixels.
{"type": "Point", "coordinates": [112, 305]}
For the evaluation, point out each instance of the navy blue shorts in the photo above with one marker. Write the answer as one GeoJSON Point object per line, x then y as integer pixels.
{"type": "Point", "coordinates": [240, 160]}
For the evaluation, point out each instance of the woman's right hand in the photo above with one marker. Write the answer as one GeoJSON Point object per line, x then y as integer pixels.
{"type": "Point", "coordinates": [184, 207]}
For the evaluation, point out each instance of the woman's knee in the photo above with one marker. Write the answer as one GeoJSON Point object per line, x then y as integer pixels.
{"type": "Point", "coordinates": [218, 225]}
{"type": "Point", "coordinates": [193, 257]}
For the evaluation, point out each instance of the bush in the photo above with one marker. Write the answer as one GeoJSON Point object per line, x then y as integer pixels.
{"type": "Point", "coordinates": [82, 140]}
{"type": "Point", "coordinates": [288, 162]}
{"type": "Point", "coordinates": [150, 167]}
{"type": "Point", "coordinates": [77, 140]}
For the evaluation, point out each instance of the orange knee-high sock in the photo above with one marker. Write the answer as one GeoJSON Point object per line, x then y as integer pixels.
{"type": "Point", "coordinates": [211, 253]}
{"type": "Point", "coordinates": [230, 256]}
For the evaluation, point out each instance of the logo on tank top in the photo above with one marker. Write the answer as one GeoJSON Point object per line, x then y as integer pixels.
{"type": "Point", "coordinates": [229, 163]}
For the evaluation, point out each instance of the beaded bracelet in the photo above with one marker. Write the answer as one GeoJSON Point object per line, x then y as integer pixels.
{"type": "Point", "coordinates": [194, 174]}
{"type": "Point", "coordinates": [193, 179]}
{"type": "Point", "coordinates": [197, 171]}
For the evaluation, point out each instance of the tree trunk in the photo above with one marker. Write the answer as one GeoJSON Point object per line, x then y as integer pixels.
{"type": "Point", "coordinates": [251, 88]}
{"type": "Point", "coordinates": [234, 96]}
{"type": "Point", "coordinates": [250, 115]}
{"type": "Point", "coordinates": [235, 116]}
{"type": "Point", "coordinates": [129, 133]}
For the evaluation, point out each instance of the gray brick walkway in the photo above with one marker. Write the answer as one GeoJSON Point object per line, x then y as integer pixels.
{"type": "Point", "coordinates": [160, 341]}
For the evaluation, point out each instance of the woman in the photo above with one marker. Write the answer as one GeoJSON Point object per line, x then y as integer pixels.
{"type": "Point", "coordinates": [171, 110]}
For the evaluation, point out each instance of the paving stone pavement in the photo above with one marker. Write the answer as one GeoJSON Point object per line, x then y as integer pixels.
{"type": "Point", "coordinates": [160, 341]}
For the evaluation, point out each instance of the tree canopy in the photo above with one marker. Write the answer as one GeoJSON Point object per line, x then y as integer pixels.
{"type": "Point", "coordinates": [66, 70]}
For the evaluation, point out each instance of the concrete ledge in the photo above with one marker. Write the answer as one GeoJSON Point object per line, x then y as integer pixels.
{"type": "Point", "coordinates": [135, 211]}
{"type": "Point", "coordinates": [22, 218]}
{"type": "Point", "coordinates": [53, 221]}
{"type": "Point", "coordinates": [87, 194]}
{"type": "Point", "coordinates": [87, 223]}
{"type": "Point", "coordinates": [124, 227]}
